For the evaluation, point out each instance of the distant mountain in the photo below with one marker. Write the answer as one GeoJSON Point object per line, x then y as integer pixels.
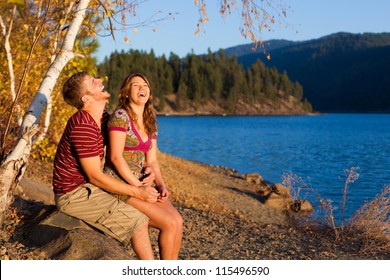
{"type": "Point", "coordinates": [342, 72]}
{"type": "Point", "coordinates": [245, 49]}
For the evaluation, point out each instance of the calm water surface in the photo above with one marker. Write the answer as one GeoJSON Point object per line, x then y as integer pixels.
{"type": "Point", "coordinates": [316, 148]}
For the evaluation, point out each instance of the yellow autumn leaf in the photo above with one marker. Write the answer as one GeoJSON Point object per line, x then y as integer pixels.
{"type": "Point", "coordinates": [126, 39]}
{"type": "Point", "coordinates": [17, 2]}
{"type": "Point", "coordinates": [135, 30]}
{"type": "Point", "coordinates": [154, 29]}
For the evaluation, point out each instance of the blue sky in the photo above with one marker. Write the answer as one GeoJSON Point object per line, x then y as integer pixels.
{"type": "Point", "coordinates": [306, 19]}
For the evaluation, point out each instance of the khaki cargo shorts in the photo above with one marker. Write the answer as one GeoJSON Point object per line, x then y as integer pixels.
{"type": "Point", "coordinates": [102, 211]}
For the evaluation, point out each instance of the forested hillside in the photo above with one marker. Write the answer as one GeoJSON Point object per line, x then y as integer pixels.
{"type": "Point", "coordinates": [342, 72]}
{"type": "Point", "coordinates": [209, 84]}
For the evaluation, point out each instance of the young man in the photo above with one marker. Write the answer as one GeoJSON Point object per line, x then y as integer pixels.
{"type": "Point", "coordinates": [81, 188]}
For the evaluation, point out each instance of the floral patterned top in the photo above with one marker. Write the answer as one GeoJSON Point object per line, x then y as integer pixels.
{"type": "Point", "coordinates": [135, 148]}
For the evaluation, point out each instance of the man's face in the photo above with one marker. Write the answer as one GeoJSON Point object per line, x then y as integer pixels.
{"type": "Point", "coordinates": [94, 87]}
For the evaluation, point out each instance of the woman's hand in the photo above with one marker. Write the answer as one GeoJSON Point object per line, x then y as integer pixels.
{"type": "Point", "coordinates": [164, 193]}
{"type": "Point", "coordinates": [148, 177]}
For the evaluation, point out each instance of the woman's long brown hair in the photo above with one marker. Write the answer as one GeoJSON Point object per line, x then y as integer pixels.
{"type": "Point", "coordinates": [150, 120]}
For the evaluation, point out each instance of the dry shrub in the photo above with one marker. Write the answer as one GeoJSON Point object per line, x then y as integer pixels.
{"type": "Point", "coordinates": [370, 225]}
{"type": "Point", "coordinates": [371, 222]}
{"type": "Point", "coordinates": [295, 184]}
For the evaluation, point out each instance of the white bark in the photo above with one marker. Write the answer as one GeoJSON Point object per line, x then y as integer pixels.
{"type": "Point", "coordinates": [46, 122]}
{"type": "Point", "coordinates": [12, 168]}
{"type": "Point", "coordinates": [50, 79]}
{"type": "Point", "coordinates": [49, 106]}
{"type": "Point", "coordinates": [12, 171]}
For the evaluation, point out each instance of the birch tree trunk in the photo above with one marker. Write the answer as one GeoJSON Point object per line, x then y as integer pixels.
{"type": "Point", "coordinates": [13, 167]}
{"type": "Point", "coordinates": [49, 103]}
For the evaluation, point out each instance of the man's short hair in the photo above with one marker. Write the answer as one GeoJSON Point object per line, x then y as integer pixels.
{"type": "Point", "coordinates": [72, 90]}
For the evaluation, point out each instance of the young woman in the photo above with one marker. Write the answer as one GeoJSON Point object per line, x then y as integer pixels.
{"type": "Point", "coordinates": [132, 148]}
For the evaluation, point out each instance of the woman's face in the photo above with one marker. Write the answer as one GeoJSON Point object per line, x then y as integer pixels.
{"type": "Point", "coordinates": [139, 91]}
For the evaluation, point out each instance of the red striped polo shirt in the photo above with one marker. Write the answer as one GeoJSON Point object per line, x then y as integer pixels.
{"type": "Point", "coordinates": [82, 138]}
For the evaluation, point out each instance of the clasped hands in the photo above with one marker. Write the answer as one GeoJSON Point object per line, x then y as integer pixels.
{"type": "Point", "coordinates": [152, 192]}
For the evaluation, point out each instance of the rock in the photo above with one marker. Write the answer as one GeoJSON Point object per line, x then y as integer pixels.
{"type": "Point", "coordinates": [61, 220]}
{"type": "Point", "coordinates": [254, 178]}
{"type": "Point", "coordinates": [306, 207]}
{"type": "Point", "coordinates": [62, 237]}
{"type": "Point", "coordinates": [237, 175]}
{"type": "Point", "coordinates": [278, 202]}
{"type": "Point", "coordinates": [302, 207]}
{"type": "Point", "coordinates": [281, 190]}
{"type": "Point", "coordinates": [279, 197]}
{"type": "Point", "coordinates": [37, 191]}
{"type": "Point", "coordinates": [53, 225]}
{"type": "Point", "coordinates": [263, 190]}
{"type": "Point", "coordinates": [84, 244]}
{"type": "Point", "coordinates": [273, 195]}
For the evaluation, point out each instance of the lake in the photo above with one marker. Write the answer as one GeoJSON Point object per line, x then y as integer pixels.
{"type": "Point", "coordinates": [316, 148]}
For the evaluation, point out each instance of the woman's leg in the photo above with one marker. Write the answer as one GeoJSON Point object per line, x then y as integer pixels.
{"type": "Point", "coordinates": [163, 216]}
{"type": "Point", "coordinates": [167, 206]}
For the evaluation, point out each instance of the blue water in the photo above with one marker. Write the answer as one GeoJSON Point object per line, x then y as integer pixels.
{"type": "Point", "coordinates": [316, 148]}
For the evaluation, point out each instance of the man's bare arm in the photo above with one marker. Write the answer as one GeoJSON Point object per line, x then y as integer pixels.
{"type": "Point", "coordinates": [92, 168]}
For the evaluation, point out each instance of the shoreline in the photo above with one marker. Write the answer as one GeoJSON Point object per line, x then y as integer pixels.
{"type": "Point", "coordinates": [208, 114]}
{"type": "Point", "coordinates": [183, 114]}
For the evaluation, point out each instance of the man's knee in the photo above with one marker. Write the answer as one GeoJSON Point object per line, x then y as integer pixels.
{"type": "Point", "coordinates": [141, 231]}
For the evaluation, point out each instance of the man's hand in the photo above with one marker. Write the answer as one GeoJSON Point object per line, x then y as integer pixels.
{"type": "Point", "coordinates": [147, 193]}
